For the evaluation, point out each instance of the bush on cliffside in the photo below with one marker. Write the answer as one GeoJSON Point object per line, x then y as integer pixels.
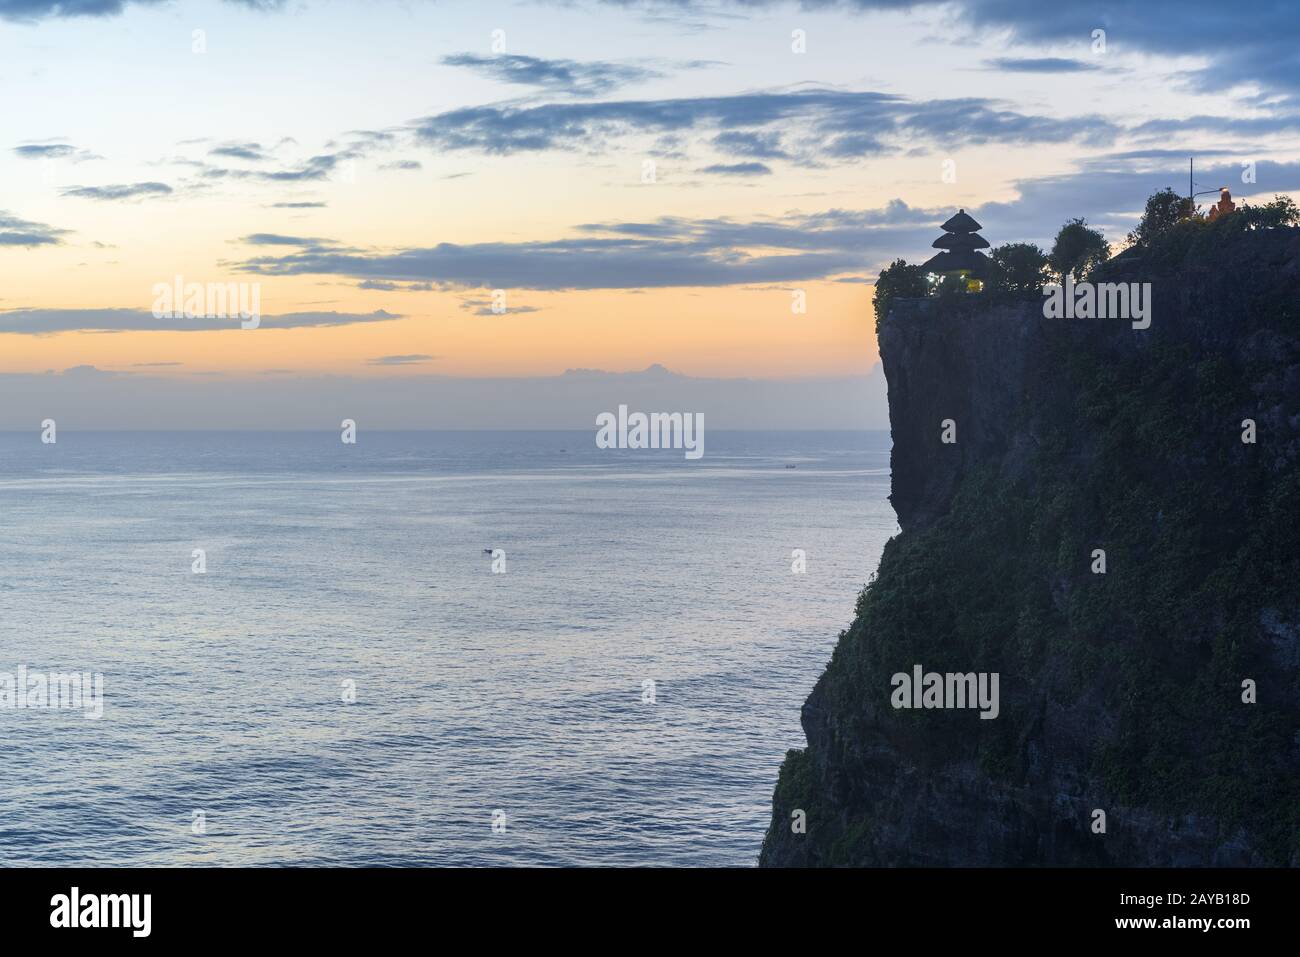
{"type": "Point", "coordinates": [898, 280]}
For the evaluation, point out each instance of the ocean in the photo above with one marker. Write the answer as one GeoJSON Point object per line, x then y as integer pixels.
{"type": "Point", "coordinates": [350, 682]}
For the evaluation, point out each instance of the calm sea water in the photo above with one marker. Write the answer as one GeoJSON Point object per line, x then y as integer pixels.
{"type": "Point", "coordinates": [475, 692]}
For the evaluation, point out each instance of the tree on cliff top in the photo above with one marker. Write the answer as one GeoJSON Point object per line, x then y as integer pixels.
{"type": "Point", "coordinates": [898, 280]}
{"type": "Point", "coordinates": [1165, 210]}
{"type": "Point", "coordinates": [1078, 250]}
{"type": "Point", "coordinates": [1019, 270]}
{"type": "Point", "coordinates": [1282, 211]}
{"type": "Point", "coordinates": [1197, 236]}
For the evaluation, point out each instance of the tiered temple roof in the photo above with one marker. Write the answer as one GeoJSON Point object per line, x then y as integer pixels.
{"type": "Point", "coordinates": [960, 241]}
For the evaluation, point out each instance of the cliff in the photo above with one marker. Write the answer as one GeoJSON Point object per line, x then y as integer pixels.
{"type": "Point", "coordinates": [1122, 690]}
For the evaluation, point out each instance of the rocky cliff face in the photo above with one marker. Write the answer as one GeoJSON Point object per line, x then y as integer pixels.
{"type": "Point", "coordinates": [1121, 689]}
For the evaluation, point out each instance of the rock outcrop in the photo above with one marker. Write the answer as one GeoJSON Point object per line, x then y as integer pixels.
{"type": "Point", "coordinates": [1122, 690]}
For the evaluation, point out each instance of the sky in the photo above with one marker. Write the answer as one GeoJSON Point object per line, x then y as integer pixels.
{"type": "Point", "coordinates": [464, 201]}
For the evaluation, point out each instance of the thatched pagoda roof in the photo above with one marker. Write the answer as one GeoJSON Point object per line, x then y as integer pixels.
{"type": "Point", "coordinates": [956, 241]}
{"type": "Point", "coordinates": [961, 223]}
{"type": "Point", "coordinates": [976, 264]}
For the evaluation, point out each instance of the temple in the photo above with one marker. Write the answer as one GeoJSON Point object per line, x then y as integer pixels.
{"type": "Point", "coordinates": [960, 242]}
{"type": "Point", "coordinates": [1224, 206]}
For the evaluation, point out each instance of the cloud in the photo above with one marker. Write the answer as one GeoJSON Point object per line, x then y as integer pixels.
{"type": "Point", "coordinates": [1259, 45]}
{"type": "Point", "coordinates": [484, 307]}
{"type": "Point", "coordinates": [1045, 64]}
{"type": "Point", "coordinates": [31, 11]}
{"type": "Point", "coordinates": [830, 123]}
{"type": "Point", "coordinates": [21, 232]}
{"type": "Point", "coordinates": [42, 322]}
{"type": "Point", "coordinates": [315, 168]}
{"type": "Point", "coordinates": [403, 165]}
{"type": "Point", "coordinates": [1253, 126]}
{"type": "Point", "coordinates": [707, 252]}
{"type": "Point", "coordinates": [275, 239]}
{"type": "Point", "coordinates": [748, 143]}
{"type": "Point", "coordinates": [382, 285]}
{"type": "Point", "coordinates": [1256, 45]}
{"type": "Point", "coordinates": [670, 251]}
{"type": "Point", "coordinates": [54, 150]}
{"type": "Point", "coordinates": [126, 191]}
{"type": "Point", "coordinates": [27, 11]}
{"type": "Point", "coordinates": [299, 205]}
{"type": "Point", "coordinates": [589, 78]}
{"type": "Point", "coordinates": [252, 152]}
{"type": "Point", "coordinates": [738, 169]}
{"type": "Point", "coordinates": [581, 263]}
{"type": "Point", "coordinates": [413, 359]}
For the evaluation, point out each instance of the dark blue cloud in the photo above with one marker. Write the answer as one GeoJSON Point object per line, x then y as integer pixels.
{"type": "Point", "coordinates": [588, 78]}
{"type": "Point", "coordinates": [588, 263]}
{"type": "Point", "coordinates": [21, 232]}
{"type": "Point", "coordinates": [738, 169]}
{"type": "Point", "coordinates": [831, 123]}
{"type": "Point", "coordinates": [118, 192]}
{"type": "Point", "coordinates": [315, 168]}
{"type": "Point", "coordinates": [678, 251]}
{"type": "Point", "coordinates": [670, 251]}
{"type": "Point", "coordinates": [276, 239]}
{"type": "Point", "coordinates": [1161, 129]}
{"type": "Point", "coordinates": [253, 152]}
{"type": "Point", "coordinates": [49, 151]}
{"type": "Point", "coordinates": [356, 145]}
{"type": "Point", "coordinates": [1257, 43]}
{"type": "Point", "coordinates": [1044, 64]}
{"type": "Point", "coordinates": [751, 144]}
{"type": "Point", "coordinates": [29, 11]}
